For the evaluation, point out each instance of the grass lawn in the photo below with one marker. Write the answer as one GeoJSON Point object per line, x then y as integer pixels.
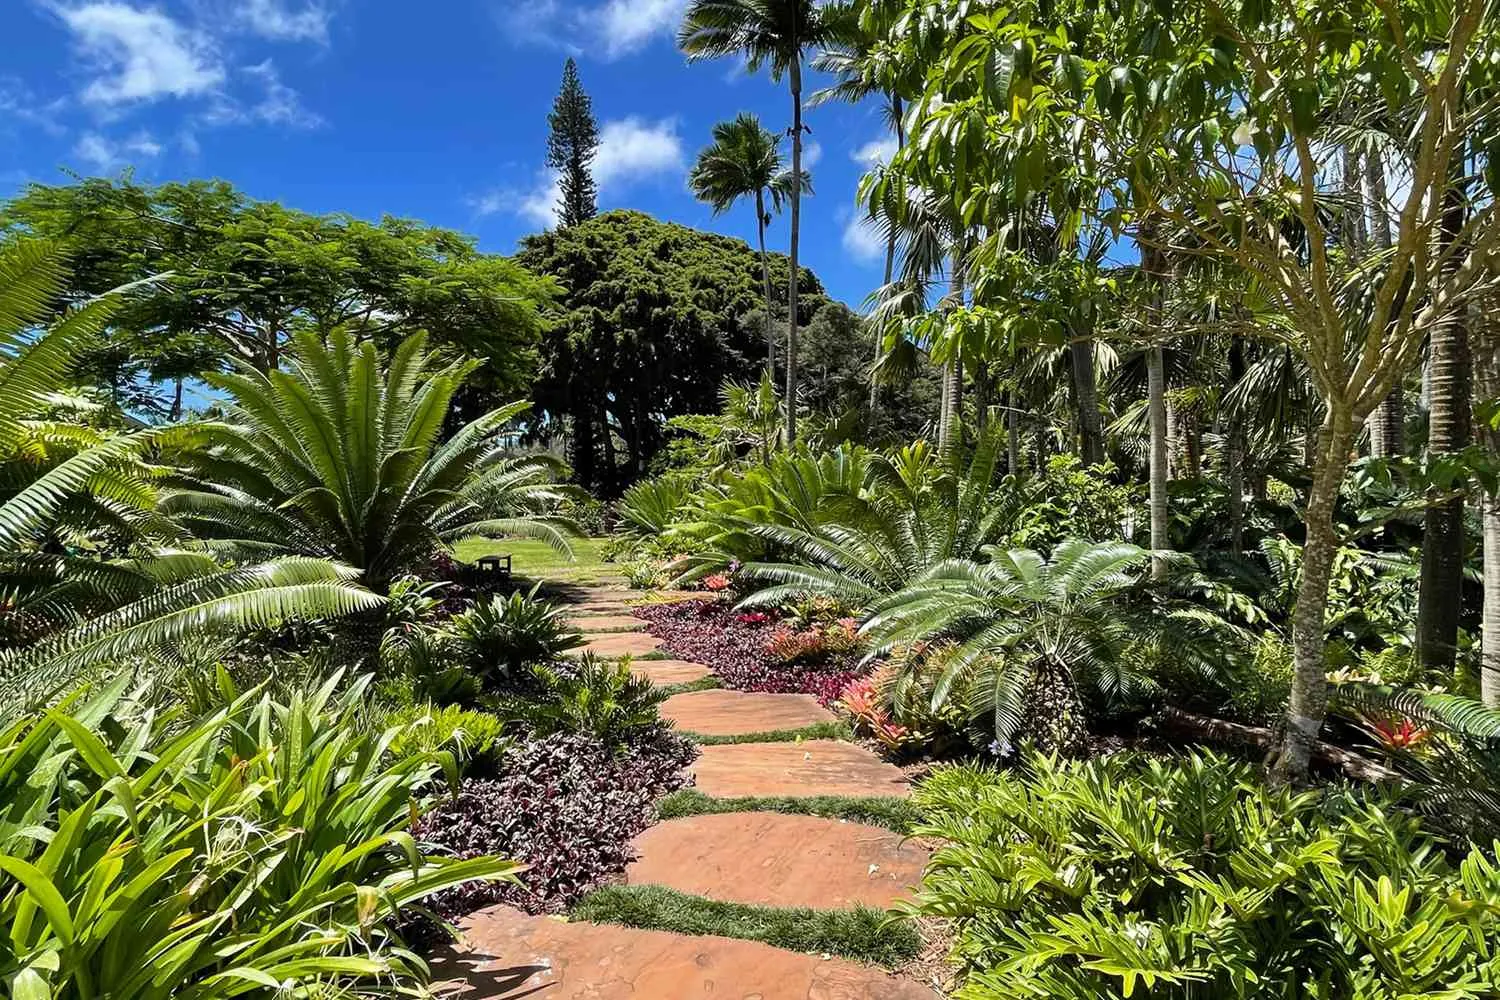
{"type": "Point", "coordinates": [536, 560]}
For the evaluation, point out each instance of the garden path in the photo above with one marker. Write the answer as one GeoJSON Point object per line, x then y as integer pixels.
{"type": "Point", "coordinates": [757, 858]}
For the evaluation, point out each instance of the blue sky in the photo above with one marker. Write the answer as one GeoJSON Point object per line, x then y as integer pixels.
{"type": "Point", "coordinates": [434, 111]}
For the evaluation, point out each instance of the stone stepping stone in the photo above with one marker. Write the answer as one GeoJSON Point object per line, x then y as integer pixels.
{"type": "Point", "coordinates": [510, 955]}
{"type": "Point", "coordinates": [613, 645]}
{"type": "Point", "coordinates": [607, 623]}
{"type": "Point", "coordinates": [665, 672]}
{"type": "Point", "coordinates": [767, 859]}
{"type": "Point", "coordinates": [740, 713]}
{"type": "Point", "coordinates": [814, 767]}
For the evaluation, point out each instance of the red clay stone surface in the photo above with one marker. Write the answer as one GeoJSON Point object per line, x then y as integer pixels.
{"type": "Point", "coordinates": [512, 955]}
{"type": "Point", "coordinates": [607, 623]}
{"type": "Point", "coordinates": [665, 672]}
{"type": "Point", "coordinates": [815, 767]}
{"type": "Point", "coordinates": [613, 645]}
{"type": "Point", "coordinates": [767, 859]}
{"type": "Point", "coordinates": [739, 713]}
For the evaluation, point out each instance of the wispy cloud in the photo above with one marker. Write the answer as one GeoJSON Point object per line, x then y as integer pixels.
{"type": "Point", "coordinates": [279, 21]}
{"type": "Point", "coordinates": [630, 150]}
{"type": "Point", "coordinates": [860, 238]}
{"type": "Point", "coordinates": [278, 104]}
{"type": "Point", "coordinates": [140, 55]}
{"type": "Point", "coordinates": [876, 152]}
{"type": "Point", "coordinates": [612, 29]}
{"type": "Point", "coordinates": [105, 154]}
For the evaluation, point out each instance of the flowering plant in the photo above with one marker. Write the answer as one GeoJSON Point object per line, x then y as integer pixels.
{"type": "Point", "coordinates": [716, 582]}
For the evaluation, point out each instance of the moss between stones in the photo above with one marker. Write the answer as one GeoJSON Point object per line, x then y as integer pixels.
{"type": "Point", "coordinates": [898, 815]}
{"type": "Point", "coordinates": [817, 731]}
{"type": "Point", "coordinates": [862, 934]}
{"type": "Point", "coordinates": [709, 683]}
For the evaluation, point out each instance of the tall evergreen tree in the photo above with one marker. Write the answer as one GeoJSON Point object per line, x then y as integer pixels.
{"type": "Point", "coordinates": [571, 148]}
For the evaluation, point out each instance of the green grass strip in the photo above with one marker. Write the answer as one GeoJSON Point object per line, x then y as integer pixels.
{"type": "Point", "coordinates": [816, 731]}
{"type": "Point", "coordinates": [709, 683]}
{"type": "Point", "coordinates": [898, 815]}
{"type": "Point", "coordinates": [862, 934]}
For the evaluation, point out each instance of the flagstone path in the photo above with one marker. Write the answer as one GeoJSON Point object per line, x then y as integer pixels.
{"type": "Point", "coordinates": [764, 859]}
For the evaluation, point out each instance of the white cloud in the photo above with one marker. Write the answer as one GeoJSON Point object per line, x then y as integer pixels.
{"type": "Point", "coordinates": [279, 104]}
{"type": "Point", "coordinates": [812, 152]}
{"type": "Point", "coordinates": [277, 20]}
{"type": "Point", "coordinates": [877, 152]}
{"type": "Point", "coordinates": [140, 54]}
{"type": "Point", "coordinates": [626, 26]}
{"type": "Point", "coordinates": [105, 154]}
{"type": "Point", "coordinates": [630, 149]}
{"type": "Point", "coordinates": [612, 28]}
{"type": "Point", "coordinates": [862, 240]}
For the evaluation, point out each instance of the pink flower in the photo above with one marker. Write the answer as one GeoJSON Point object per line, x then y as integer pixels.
{"type": "Point", "coordinates": [716, 582]}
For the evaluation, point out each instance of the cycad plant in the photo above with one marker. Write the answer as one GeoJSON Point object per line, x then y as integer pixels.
{"type": "Point", "coordinates": [1034, 634]}
{"type": "Point", "coordinates": [341, 457]}
{"type": "Point", "coordinates": [91, 572]}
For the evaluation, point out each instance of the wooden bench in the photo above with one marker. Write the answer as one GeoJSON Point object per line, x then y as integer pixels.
{"type": "Point", "coordinates": [498, 566]}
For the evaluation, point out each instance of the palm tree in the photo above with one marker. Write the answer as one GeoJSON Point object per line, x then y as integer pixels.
{"type": "Point", "coordinates": [773, 34]}
{"type": "Point", "coordinates": [745, 161]}
{"type": "Point", "coordinates": [339, 458]}
{"type": "Point", "coordinates": [91, 573]}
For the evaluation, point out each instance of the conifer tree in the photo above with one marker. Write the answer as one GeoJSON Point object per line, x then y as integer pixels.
{"type": "Point", "coordinates": [571, 148]}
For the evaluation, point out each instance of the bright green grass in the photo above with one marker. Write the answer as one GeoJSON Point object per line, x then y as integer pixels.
{"type": "Point", "coordinates": [535, 560]}
{"type": "Point", "coordinates": [816, 731]}
{"type": "Point", "coordinates": [896, 814]}
{"type": "Point", "coordinates": [862, 934]}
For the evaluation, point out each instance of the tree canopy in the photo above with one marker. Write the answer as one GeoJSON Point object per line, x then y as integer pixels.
{"type": "Point", "coordinates": [243, 276]}
{"type": "Point", "coordinates": [650, 325]}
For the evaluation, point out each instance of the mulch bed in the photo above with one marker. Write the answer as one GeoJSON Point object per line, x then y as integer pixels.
{"type": "Point", "coordinates": [733, 645]}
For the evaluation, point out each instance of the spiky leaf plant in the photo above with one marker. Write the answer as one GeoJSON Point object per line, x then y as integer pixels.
{"type": "Point", "coordinates": [341, 457]}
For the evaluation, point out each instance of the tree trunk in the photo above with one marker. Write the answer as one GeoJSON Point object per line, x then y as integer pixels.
{"type": "Point", "coordinates": [1086, 394]}
{"type": "Point", "coordinates": [1440, 593]}
{"type": "Point", "coordinates": [1485, 337]}
{"type": "Point", "coordinates": [890, 263]}
{"type": "Point", "coordinates": [792, 297]}
{"type": "Point", "coordinates": [176, 413]}
{"type": "Point", "coordinates": [1157, 404]}
{"type": "Point", "coordinates": [1309, 699]}
{"type": "Point", "coordinates": [765, 276]}
{"type": "Point", "coordinates": [950, 425]}
{"type": "Point", "coordinates": [1388, 423]}
{"type": "Point", "coordinates": [1012, 433]}
{"type": "Point", "coordinates": [1234, 452]}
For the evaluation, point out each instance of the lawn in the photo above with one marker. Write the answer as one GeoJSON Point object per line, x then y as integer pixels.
{"type": "Point", "coordinates": [535, 559]}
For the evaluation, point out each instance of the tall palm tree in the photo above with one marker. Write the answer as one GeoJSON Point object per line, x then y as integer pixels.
{"type": "Point", "coordinates": [743, 162]}
{"type": "Point", "coordinates": [339, 458]}
{"type": "Point", "coordinates": [91, 573]}
{"type": "Point", "coordinates": [774, 34]}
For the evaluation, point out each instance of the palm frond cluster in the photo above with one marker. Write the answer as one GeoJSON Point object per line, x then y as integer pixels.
{"type": "Point", "coordinates": [326, 482]}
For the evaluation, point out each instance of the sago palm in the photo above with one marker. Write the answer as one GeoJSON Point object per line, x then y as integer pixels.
{"type": "Point", "coordinates": [775, 34]}
{"type": "Point", "coordinates": [340, 458]}
{"type": "Point", "coordinates": [91, 573]}
{"type": "Point", "coordinates": [1021, 621]}
{"type": "Point", "coordinates": [745, 162]}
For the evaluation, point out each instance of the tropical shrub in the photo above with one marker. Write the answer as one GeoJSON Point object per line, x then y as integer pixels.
{"type": "Point", "coordinates": [566, 805]}
{"type": "Point", "coordinates": [1034, 636]}
{"type": "Point", "coordinates": [1067, 500]}
{"type": "Point", "coordinates": [814, 644]}
{"type": "Point", "coordinates": [648, 509]}
{"type": "Point", "coordinates": [599, 698]}
{"type": "Point", "coordinates": [91, 573]}
{"type": "Point", "coordinates": [339, 457]}
{"type": "Point", "coordinates": [500, 638]}
{"type": "Point", "coordinates": [264, 847]}
{"type": "Point", "coordinates": [472, 737]}
{"type": "Point", "coordinates": [1130, 876]}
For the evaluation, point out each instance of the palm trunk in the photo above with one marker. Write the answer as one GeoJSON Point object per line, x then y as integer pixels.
{"type": "Point", "coordinates": [1309, 697]}
{"type": "Point", "coordinates": [792, 297]}
{"type": "Point", "coordinates": [1440, 593]}
{"type": "Point", "coordinates": [1387, 426]}
{"type": "Point", "coordinates": [1086, 393]}
{"type": "Point", "coordinates": [176, 413]}
{"type": "Point", "coordinates": [950, 426]}
{"type": "Point", "coordinates": [1486, 344]}
{"type": "Point", "coordinates": [1234, 453]}
{"type": "Point", "coordinates": [765, 276]}
{"type": "Point", "coordinates": [890, 264]}
{"type": "Point", "coordinates": [1157, 404]}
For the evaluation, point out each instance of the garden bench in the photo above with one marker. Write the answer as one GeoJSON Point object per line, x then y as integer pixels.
{"type": "Point", "coordinates": [494, 565]}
